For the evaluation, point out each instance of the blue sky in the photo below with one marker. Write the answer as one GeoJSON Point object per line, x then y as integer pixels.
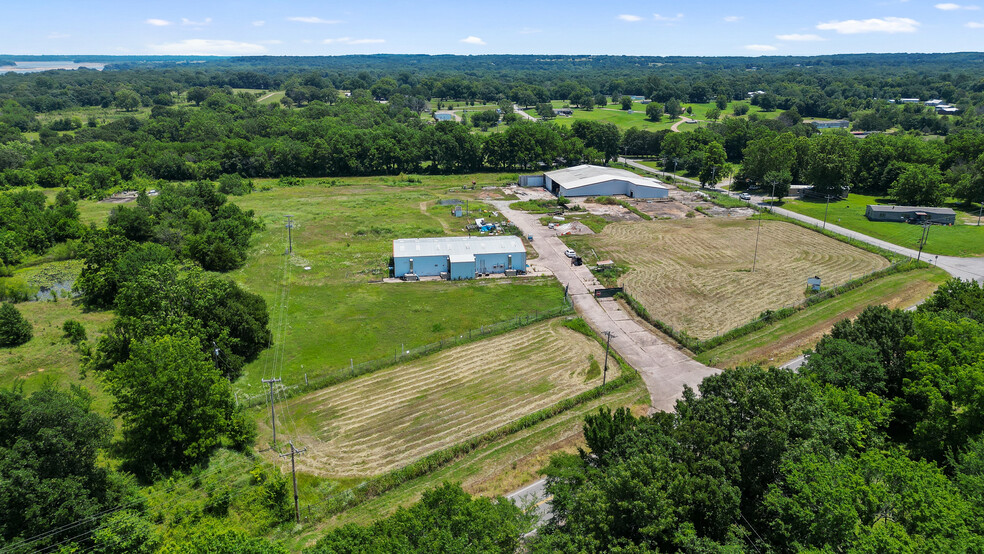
{"type": "Point", "coordinates": [303, 27]}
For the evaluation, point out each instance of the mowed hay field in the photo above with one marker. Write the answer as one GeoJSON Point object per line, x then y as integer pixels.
{"type": "Point", "coordinates": [695, 274]}
{"type": "Point", "coordinates": [389, 418]}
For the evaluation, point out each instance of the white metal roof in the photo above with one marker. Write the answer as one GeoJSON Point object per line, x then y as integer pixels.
{"type": "Point", "coordinates": [584, 175]}
{"type": "Point", "coordinates": [454, 246]}
{"type": "Point", "coordinates": [906, 209]}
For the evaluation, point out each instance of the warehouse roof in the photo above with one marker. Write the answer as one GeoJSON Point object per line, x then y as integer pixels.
{"type": "Point", "coordinates": [584, 175]}
{"type": "Point", "coordinates": [454, 246]}
{"type": "Point", "coordinates": [938, 211]}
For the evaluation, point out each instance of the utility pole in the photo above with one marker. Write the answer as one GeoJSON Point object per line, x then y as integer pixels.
{"type": "Point", "coordinates": [923, 239]}
{"type": "Point", "coordinates": [273, 414]}
{"type": "Point", "coordinates": [604, 374]}
{"type": "Point", "coordinates": [293, 474]}
{"type": "Point", "coordinates": [757, 233]}
{"type": "Point", "coordinates": [290, 243]}
{"type": "Point", "coordinates": [773, 210]}
{"type": "Point", "coordinates": [825, 211]}
{"type": "Point", "coordinates": [980, 210]}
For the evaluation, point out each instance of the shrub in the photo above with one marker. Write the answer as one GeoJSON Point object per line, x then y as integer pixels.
{"type": "Point", "coordinates": [14, 329]}
{"type": "Point", "coordinates": [235, 184]}
{"type": "Point", "coordinates": [74, 331]}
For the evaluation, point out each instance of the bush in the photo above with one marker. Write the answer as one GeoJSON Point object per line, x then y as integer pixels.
{"type": "Point", "coordinates": [74, 331]}
{"type": "Point", "coordinates": [289, 182]}
{"type": "Point", "coordinates": [14, 329]}
{"type": "Point", "coordinates": [235, 184]}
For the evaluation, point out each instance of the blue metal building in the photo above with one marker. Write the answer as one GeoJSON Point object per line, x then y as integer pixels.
{"type": "Point", "coordinates": [458, 257]}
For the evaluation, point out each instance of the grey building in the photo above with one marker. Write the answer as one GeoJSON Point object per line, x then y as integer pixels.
{"type": "Point", "coordinates": [458, 257]}
{"type": "Point", "coordinates": [911, 214]}
{"type": "Point", "coordinates": [593, 180]}
{"type": "Point", "coordinates": [831, 124]}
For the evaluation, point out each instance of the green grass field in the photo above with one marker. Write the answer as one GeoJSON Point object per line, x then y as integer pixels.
{"type": "Point", "coordinates": [613, 113]}
{"type": "Point", "coordinates": [961, 239]}
{"type": "Point", "coordinates": [787, 338]}
{"type": "Point", "coordinates": [344, 235]}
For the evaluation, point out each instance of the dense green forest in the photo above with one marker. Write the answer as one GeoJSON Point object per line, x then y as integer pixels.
{"type": "Point", "coordinates": [200, 126]}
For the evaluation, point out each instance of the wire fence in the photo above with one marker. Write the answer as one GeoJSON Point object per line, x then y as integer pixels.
{"type": "Point", "coordinates": [338, 375]}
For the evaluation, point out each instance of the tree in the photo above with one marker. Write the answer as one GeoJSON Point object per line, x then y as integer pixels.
{"type": "Point", "coordinates": [197, 95]}
{"type": "Point", "coordinates": [740, 109]}
{"type": "Point", "coordinates": [919, 185]}
{"type": "Point", "coordinates": [51, 477]}
{"type": "Point", "coordinates": [445, 520]}
{"type": "Point", "coordinates": [173, 402]}
{"type": "Point", "coordinates": [673, 109]}
{"type": "Point", "coordinates": [711, 170]}
{"type": "Point", "coordinates": [545, 110]}
{"type": "Point", "coordinates": [654, 111]}
{"type": "Point", "coordinates": [626, 102]}
{"type": "Point", "coordinates": [14, 329]}
{"type": "Point", "coordinates": [831, 163]}
{"type": "Point", "coordinates": [127, 100]}
{"type": "Point", "coordinates": [721, 102]}
{"type": "Point", "coordinates": [778, 183]}
{"type": "Point", "coordinates": [713, 114]}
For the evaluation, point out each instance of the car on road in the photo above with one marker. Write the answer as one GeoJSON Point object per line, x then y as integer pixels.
{"type": "Point", "coordinates": [745, 196]}
{"type": "Point", "coordinates": [570, 253]}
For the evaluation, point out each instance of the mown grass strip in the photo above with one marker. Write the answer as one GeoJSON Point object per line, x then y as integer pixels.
{"type": "Point", "coordinates": [383, 483]}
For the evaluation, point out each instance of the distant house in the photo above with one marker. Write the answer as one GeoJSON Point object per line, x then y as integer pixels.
{"type": "Point", "coordinates": [637, 98]}
{"type": "Point", "coordinates": [593, 180]}
{"type": "Point", "coordinates": [946, 109]}
{"type": "Point", "coordinates": [752, 93]}
{"type": "Point", "coordinates": [832, 124]}
{"type": "Point", "coordinates": [911, 214]}
{"type": "Point", "coordinates": [933, 103]}
{"type": "Point", "coordinates": [910, 100]}
{"type": "Point", "coordinates": [563, 111]}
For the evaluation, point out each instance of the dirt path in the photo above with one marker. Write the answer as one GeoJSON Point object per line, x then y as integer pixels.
{"type": "Point", "coordinates": [423, 210]}
{"type": "Point", "coordinates": [267, 96]}
{"type": "Point", "coordinates": [676, 126]}
{"type": "Point", "coordinates": [664, 368]}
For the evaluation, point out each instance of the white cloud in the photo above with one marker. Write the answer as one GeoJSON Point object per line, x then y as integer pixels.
{"type": "Point", "coordinates": [158, 22]}
{"type": "Point", "coordinates": [949, 6]}
{"type": "Point", "coordinates": [760, 47]}
{"type": "Point", "coordinates": [186, 21]}
{"type": "Point", "coordinates": [874, 25]}
{"type": "Point", "coordinates": [57, 35]}
{"type": "Point", "coordinates": [974, 25]}
{"type": "Point", "coordinates": [629, 17]}
{"type": "Point", "coordinates": [349, 40]}
{"type": "Point", "coordinates": [313, 20]}
{"type": "Point", "coordinates": [733, 18]}
{"type": "Point", "coordinates": [259, 23]}
{"type": "Point", "coordinates": [208, 47]}
{"type": "Point", "coordinates": [676, 17]}
{"type": "Point", "coordinates": [473, 40]}
{"type": "Point", "coordinates": [800, 38]}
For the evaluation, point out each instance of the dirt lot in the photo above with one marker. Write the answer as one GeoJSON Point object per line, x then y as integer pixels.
{"type": "Point", "coordinates": [695, 274]}
{"type": "Point", "coordinates": [387, 419]}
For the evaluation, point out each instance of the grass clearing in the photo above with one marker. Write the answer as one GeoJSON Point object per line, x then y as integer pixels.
{"type": "Point", "coordinates": [48, 356]}
{"type": "Point", "coordinates": [787, 338]}
{"type": "Point", "coordinates": [344, 234]}
{"type": "Point", "coordinates": [387, 419]}
{"type": "Point", "coordinates": [694, 274]}
{"type": "Point", "coordinates": [961, 239]}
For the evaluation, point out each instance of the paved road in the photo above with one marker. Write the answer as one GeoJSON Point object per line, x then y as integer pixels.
{"type": "Point", "coordinates": [534, 496]}
{"type": "Point", "coordinates": [664, 368]}
{"type": "Point", "coordinates": [522, 114]}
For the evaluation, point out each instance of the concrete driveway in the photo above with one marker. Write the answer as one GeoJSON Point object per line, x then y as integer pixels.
{"type": "Point", "coordinates": [664, 367]}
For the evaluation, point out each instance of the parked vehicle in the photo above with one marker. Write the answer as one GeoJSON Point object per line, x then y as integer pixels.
{"type": "Point", "coordinates": [745, 196]}
{"type": "Point", "coordinates": [570, 253]}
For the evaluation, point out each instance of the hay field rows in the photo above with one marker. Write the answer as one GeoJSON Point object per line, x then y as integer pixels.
{"type": "Point", "coordinates": [695, 274]}
{"type": "Point", "coordinates": [387, 419]}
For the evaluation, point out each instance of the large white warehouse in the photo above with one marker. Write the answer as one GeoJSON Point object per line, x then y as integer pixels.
{"type": "Point", "coordinates": [593, 180]}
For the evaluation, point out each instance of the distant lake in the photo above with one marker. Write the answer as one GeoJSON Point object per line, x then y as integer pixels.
{"type": "Point", "coordinates": [34, 67]}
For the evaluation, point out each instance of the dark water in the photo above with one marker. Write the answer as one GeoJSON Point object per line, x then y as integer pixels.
{"type": "Point", "coordinates": [35, 67]}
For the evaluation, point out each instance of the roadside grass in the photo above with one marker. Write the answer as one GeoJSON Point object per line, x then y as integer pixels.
{"type": "Point", "coordinates": [784, 340]}
{"type": "Point", "coordinates": [343, 233]}
{"type": "Point", "coordinates": [961, 239]}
